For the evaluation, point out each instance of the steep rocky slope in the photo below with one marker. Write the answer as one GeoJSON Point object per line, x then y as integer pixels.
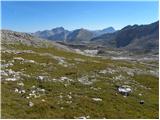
{"type": "Point", "coordinates": [136, 37]}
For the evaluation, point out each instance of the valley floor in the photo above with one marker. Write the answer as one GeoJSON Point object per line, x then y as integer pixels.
{"type": "Point", "coordinates": [42, 82]}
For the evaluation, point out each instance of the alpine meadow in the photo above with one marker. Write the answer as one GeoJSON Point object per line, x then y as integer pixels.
{"type": "Point", "coordinates": [79, 60]}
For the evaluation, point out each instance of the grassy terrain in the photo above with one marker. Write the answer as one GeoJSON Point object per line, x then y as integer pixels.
{"type": "Point", "coordinates": [59, 104]}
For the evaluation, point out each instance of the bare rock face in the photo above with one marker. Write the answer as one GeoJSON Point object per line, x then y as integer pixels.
{"type": "Point", "coordinates": [13, 37]}
{"type": "Point", "coordinates": [56, 34]}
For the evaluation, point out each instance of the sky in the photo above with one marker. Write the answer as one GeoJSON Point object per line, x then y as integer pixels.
{"type": "Point", "coordinates": [31, 16]}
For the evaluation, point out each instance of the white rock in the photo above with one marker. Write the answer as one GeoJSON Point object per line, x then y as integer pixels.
{"type": "Point", "coordinates": [103, 71]}
{"type": "Point", "coordinates": [3, 73]}
{"type": "Point", "coordinates": [97, 99]}
{"type": "Point", "coordinates": [33, 87]}
{"type": "Point", "coordinates": [68, 102]}
{"type": "Point", "coordinates": [11, 79]}
{"type": "Point", "coordinates": [10, 72]}
{"type": "Point", "coordinates": [125, 90]}
{"type": "Point", "coordinates": [32, 94]}
{"type": "Point", "coordinates": [70, 97]}
{"type": "Point", "coordinates": [30, 61]}
{"type": "Point", "coordinates": [61, 96]}
{"type": "Point", "coordinates": [31, 104]}
{"type": "Point", "coordinates": [43, 90]}
{"type": "Point", "coordinates": [81, 117]}
{"type": "Point", "coordinates": [16, 90]}
{"type": "Point", "coordinates": [27, 97]}
{"type": "Point", "coordinates": [54, 79]}
{"type": "Point", "coordinates": [20, 84]}
{"type": "Point", "coordinates": [23, 91]}
{"type": "Point", "coordinates": [84, 80]}
{"type": "Point", "coordinates": [130, 73]}
{"type": "Point", "coordinates": [33, 91]}
{"type": "Point", "coordinates": [92, 52]}
{"type": "Point", "coordinates": [41, 77]}
{"type": "Point", "coordinates": [87, 116]}
{"type": "Point", "coordinates": [18, 58]}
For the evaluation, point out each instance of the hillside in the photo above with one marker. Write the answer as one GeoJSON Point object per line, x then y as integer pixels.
{"type": "Point", "coordinates": [43, 79]}
{"type": "Point", "coordinates": [12, 37]}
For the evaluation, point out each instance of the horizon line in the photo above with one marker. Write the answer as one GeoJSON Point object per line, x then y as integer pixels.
{"type": "Point", "coordinates": [77, 28]}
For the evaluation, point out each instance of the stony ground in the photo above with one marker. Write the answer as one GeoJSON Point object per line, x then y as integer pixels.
{"type": "Point", "coordinates": [39, 82]}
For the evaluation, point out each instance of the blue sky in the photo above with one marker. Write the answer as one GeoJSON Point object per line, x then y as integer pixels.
{"type": "Point", "coordinates": [33, 16]}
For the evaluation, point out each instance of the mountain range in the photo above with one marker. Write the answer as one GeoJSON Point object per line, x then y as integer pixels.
{"type": "Point", "coordinates": [135, 37]}
{"type": "Point", "coordinates": [76, 36]}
